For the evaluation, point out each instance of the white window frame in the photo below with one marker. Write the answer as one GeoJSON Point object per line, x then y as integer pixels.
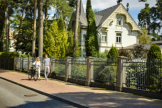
{"type": "Point", "coordinates": [84, 53]}
{"type": "Point", "coordinates": [118, 37]}
{"type": "Point", "coordinates": [119, 21]}
{"type": "Point", "coordinates": [105, 36]}
{"type": "Point", "coordinates": [84, 34]}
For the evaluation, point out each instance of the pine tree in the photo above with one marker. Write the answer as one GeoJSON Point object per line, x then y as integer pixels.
{"type": "Point", "coordinates": [49, 42]}
{"type": "Point", "coordinates": [91, 43]}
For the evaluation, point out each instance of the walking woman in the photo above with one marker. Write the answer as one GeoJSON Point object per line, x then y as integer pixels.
{"type": "Point", "coordinates": [37, 66]}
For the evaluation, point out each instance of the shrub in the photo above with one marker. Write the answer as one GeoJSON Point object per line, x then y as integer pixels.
{"type": "Point", "coordinates": [154, 73]}
{"type": "Point", "coordinates": [113, 53]}
{"type": "Point", "coordinates": [6, 55]}
{"type": "Point", "coordinates": [138, 51]}
{"type": "Point", "coordinates": [154, 52]}
{"type": "Point", "coordinates": [103, 55]}
{"type": "Point", "coordinates": [123, 52]}
{"type": "Point", "coordinates": [25, 56]}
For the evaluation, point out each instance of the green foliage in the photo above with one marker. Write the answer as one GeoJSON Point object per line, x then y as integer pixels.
{"type": "Point", "coordinates": [62, 9]}
{"type": "Point", "coordinates": [103, 55]}
{"type": "Point", "coordinates": [138, 51]}
{"type": "Point", "coordinates": [154, 52]}
{"type": "Point", "coordinates": [70, 51]}
{"type": "Point", "coordinates": [56, 41]}
{"type": "Point", "coordinates": [25, 56]}
{"type": "Point", "coordinates": [91, 43]}
{"type": "Point", "coordinates": [79, 71]}
{"type": "Point", "coordinates": [6, 55]}
{"type": "Point", "coordinates": [154, 74]}
{"type": "Point", "coordinates": [144, 38]}
{"type": "Point", "coordinates": [144, 17]}
{"type": "Point", "coordinates": [61, 25]}
{"type": "Point", "coordinates": [113, 53]}
{"type": "Point", "coordinates": [126, 53]}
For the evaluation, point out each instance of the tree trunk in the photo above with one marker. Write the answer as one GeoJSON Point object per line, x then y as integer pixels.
{"type": "Point", "coordinates": [34, 29]}
{"type": "Point", "coordinates": [22, 16]}
{"type": "Point", "coordinates": [76, 27]}
{"type": "Point", "coordinates": [40, 47]}
{"type": "Point", "coordinates": [46, 12]}
{"type": "Point", "coordinates": [7, 29]}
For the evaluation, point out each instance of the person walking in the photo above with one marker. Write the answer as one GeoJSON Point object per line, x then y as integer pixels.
{"type": "Point", "coordinates": [47, 66]}
{"type": "Point", "coordinates": [37, 66]}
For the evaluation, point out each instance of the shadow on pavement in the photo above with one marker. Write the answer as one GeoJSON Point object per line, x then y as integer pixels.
{"type": "Point", "coordinates": [111, 100]}
{"type": "Point", "coordinates": [51, 103]}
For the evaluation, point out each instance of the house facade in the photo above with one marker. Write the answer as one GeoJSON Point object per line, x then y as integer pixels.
{"type": "Point", "coordinates": [115, 26]}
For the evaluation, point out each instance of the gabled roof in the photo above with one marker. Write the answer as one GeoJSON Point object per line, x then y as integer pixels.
{"type": "Point", "coordinates": [100, 16]}
{"type": "Point", "coordinates": [105, 14]}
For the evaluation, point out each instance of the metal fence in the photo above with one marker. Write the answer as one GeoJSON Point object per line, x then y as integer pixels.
{"type": "Point", "coordinates": [144, 74]}
{"type": "Point", "coordinates": [79, 69]}
{"type": "Point", "coordinates": [18, 63]}
{"type": "Point", "coordinates": [25, 64]}
{"type": "Point", "coordinates": [7, 63]}
{"type": "Point", "coordinates": [105, 71]}
{"type": "Point", "coordinates": [59, 68]}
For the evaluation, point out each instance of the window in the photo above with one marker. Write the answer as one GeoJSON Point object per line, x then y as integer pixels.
{"type": "Point", "coordinates": [104, 36]}
{"type": "Point", "coordinates": [118, 38]}
{"type": "Point", "coordinates": [84, 35]}
{"type": "Point", "coordinates": [118, 20]}
{"type": "Point", "coordinates": [84, 53]}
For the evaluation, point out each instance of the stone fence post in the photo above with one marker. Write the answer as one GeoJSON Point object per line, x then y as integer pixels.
{"type": "Point", "coordinates": [21, 64]}
{"type": "Point", "coordinates": [68, 67]}
{"type": "Point", "coordinates": [121, 73]}
{"type": "Point", "coordinates": [89, 70]}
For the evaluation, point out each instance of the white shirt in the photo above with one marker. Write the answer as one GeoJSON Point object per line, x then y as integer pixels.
{"type": "Point", "coordinates": [37, 65]}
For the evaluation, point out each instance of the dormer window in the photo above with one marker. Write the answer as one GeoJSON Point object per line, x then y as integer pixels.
{"type": "Point", "coordinates": [118, 20]}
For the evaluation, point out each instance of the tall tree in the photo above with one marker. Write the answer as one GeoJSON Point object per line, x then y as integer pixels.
{"type": "Point", "coordinates": [34, 29]}
{"type": "Point", "coordinates": [76, 27]}
{"type": "Point", "coordinates": [46, 12]}
{"type": "Point", "coordinates": [56, 40]}
{"type": "Point", "coordinates": [63, 10]}
{"type": "Point", "coordinates": [7, 28]}
{"type": "Point", "coordinates": [40, 47]}
{"type": "Point", "coordinates": [144, 17]}
{"type": "Point", "coordinates": [91, 43]}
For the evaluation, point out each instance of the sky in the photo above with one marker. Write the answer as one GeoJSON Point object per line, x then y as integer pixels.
{"type": "Point", "coordinates": [134, 6]}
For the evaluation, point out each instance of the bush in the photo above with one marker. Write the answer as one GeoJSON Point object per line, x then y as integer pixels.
{"type": "Point", "coordinates": [103, 55]}
{"type": "Point", "coordinates": [113, 53]}
{"type": "Point", "coordinates": [123, 52]}
{"type": "Point", "coordinates": [25, 56]}
{"type": "Point", "coordinates": [154, 52]}
{"type": "Point", "coordinates": [154, 73]}
{"type": "Point", "coordinates": [6, 55]}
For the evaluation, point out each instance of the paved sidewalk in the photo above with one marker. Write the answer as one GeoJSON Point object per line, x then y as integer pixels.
{"type": "Point", "coordinates": [92, 97]}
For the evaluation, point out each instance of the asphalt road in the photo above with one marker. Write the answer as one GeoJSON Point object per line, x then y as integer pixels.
{"type": "Point", "coordinates": [14, 96]}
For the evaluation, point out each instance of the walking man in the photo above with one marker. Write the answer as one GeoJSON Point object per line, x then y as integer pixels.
{"type": "Point", "coordinates": [47, 66]}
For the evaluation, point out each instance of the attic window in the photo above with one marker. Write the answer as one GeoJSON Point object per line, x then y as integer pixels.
{"type": "Point", "coordinates": [118, 20]}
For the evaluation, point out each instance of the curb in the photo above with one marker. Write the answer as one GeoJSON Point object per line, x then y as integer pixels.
{"type": "Point", "coordinates": [75, 104]}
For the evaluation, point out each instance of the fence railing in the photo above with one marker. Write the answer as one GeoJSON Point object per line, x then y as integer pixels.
{"type": "Point", "coordinates": [144, 75]}
{"type": "Point", "coordinates": [78, 69]}
{"type": "Point", "coordinates": [7, 63]}
{"type": "Point", "coordinates": [141, 75]}
{"type": "Point", "coordinates": [105, 71]}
